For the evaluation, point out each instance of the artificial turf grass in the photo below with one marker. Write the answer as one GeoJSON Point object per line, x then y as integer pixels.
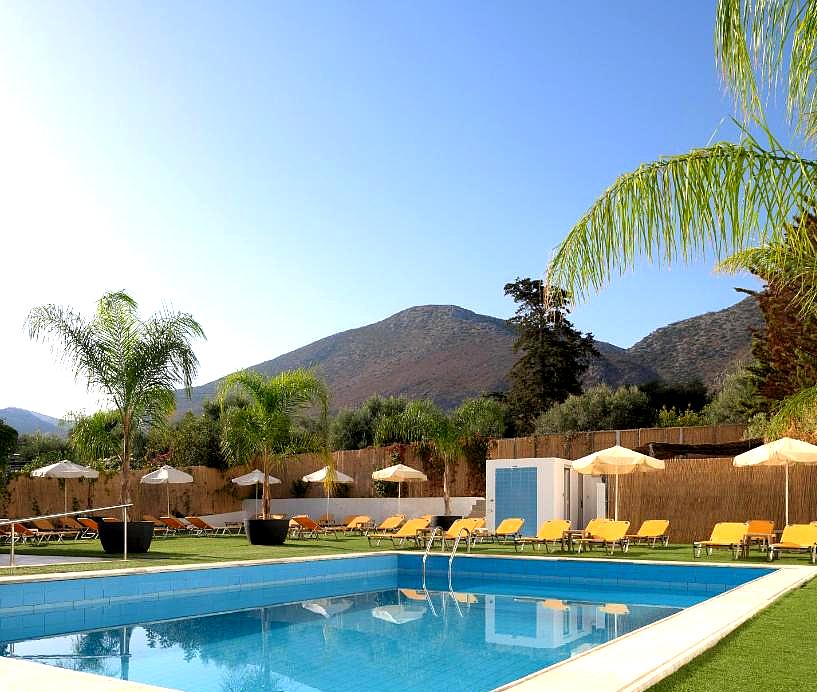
{"type": "Point", "coordinates": [180, 550]}
{"type": "Point", "coordinates": [772, 651]}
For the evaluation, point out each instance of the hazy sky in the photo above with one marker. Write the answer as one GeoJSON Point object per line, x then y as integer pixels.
{"type": "Point", "coordinates": [287, 170]}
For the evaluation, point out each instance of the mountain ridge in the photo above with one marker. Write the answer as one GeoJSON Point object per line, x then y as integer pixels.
{"type": "Point", "coordinates": [449, 353]}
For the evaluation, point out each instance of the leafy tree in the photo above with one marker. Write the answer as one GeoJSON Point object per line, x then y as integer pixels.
{"type": "Point", "coordinates": [196, 440]}
{"type": "Point", "coordinates": [355, 428]}
{"type": "Point", "coordinates": [135, 364]}
{"type": "Point", "coordinates": [8, 440]}
{"type": "Point", "coordinates": [672, 418]}
{"type": "Point", "coordinates": [687, 395]}
{"type": "Point", "coordinates": [43, 449]}
{"type": "Point", "coordinates": [446, 436]}
{"type": "Point", "coordinates": [729, 199]}
{"type": "Point", "coordinates": [270, 428]}
{"type": "Point", "coordinates": [554, 354]}
{"type": "Point", "coordinates": [736, 401]}
{"type": "Point", "coordinates": [599, 408]}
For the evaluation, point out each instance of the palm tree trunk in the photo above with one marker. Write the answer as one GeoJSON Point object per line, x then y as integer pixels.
{"type": "Point", "coordinates": [126, 446]}
{"type": "Point", "coordinates": [265, 498]}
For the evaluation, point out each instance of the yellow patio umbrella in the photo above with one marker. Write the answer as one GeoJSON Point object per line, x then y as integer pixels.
{"type": "Point", "coordinates": [783, 452]}
{"type": "Point", "coordinates": [616, 461]}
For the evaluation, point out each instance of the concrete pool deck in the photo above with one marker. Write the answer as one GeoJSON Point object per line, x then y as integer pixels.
{"type": "Point", "coordinates": [43, 560]}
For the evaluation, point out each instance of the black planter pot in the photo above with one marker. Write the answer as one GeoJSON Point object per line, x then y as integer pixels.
{"type": "Point", "coordinates": [267, 531]}
{"type": "Point", "coordinates": [444, 521]}
{"type": "Point", "coordinates": [111, 535]}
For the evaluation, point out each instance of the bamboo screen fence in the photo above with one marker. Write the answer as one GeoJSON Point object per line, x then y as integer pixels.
{"type": "Point", "coordinates": [692, 493]}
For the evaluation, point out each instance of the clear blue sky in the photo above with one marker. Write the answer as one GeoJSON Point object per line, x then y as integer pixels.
{"type": "Point", "coordinates": [287, 170]}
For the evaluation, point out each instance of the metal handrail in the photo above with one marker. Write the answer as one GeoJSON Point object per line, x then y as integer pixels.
{"type": "Point", "coordinates": [12, 522]}
{"type": "Point", "coordinates": [427, 550]}
{"type": "Point", "coordinates": [454, 551]}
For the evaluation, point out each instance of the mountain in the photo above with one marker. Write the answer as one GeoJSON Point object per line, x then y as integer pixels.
{"type": "Point", "coordinates": [447, 353]}
{"type": "Point", "coordinates": [701, 347]}
{"type": "Point", "coordinates": [25, 422]}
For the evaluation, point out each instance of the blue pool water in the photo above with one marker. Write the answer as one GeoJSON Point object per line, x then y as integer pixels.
{"type": "Point", "coordinates": [351, 624]}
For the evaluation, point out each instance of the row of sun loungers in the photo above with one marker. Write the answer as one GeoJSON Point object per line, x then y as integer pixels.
{"type": "Point", "coordinates": [739, 537]}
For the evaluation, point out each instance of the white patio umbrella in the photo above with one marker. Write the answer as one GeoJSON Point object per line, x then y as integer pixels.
{"type": "Point", "coordinates": [321, 475]}
{"type": "Point", "coordinates": [399, 473]}
{"type": "Point", "coordinates": [399, 614]}
{"type": "Point", "coordinates": [65, 469]}
{"type": "Point", "coordinates": [616, 461]}
{"type": "Point", "coordinates": [167, 475]}
{"type": "Point", "coordinates": [255, 478]}
{"type": "Point", "coordinates": [327, 607]}
{"type": "Point", "coordinates": [783, 452]}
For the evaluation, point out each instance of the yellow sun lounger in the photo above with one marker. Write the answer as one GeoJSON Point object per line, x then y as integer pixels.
{"type": "Point", "coordinates": [407, 532]}
{"type": "Point", "coordinates": [796, 538]}
{"type": "Point", "coordinates": [608, 535]}
{"type": "Point", "coordinates": [725, 534]}
{"type": "Point", "coordinates": [508, 529]}
{"type": "Point", "coordinates": [552, 531]}
{"type": "Point", "coordinates": [391, 523]}
{"type": "Point", "coordinates": [652, 531]}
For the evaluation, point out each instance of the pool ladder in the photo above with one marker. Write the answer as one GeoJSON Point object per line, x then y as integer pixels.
{"type": "Point", "coordinates": [462, 531]}
{"type": "Point", "coordinates": [454, 552]}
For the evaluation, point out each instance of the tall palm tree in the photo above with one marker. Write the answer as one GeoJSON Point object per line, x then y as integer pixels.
{"type": "Point", "coordinates": [733, 199]}
{"type": "Point", "coordinates": [268, 428]}
{"type": "Point", "coordinates": [447, 435]}
{"type": "Point", "coordinates": [134, 364]}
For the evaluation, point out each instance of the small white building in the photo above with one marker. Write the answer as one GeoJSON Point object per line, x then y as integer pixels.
{"type": "Point", "coordinates": [540, 489]}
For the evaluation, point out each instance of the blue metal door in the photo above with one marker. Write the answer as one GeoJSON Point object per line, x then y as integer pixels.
{"type": "Point", "coordinates": [516, 496]}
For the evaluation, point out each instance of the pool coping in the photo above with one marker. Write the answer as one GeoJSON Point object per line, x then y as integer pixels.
{"type": "Point", "coordinates": [632, 662]}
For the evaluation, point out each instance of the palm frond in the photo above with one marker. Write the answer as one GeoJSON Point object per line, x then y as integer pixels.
{"type": "Point", "coordinates": [757, 42]}
{"type": "Point", "coordinates": [722, 198]}
{"type": "Point", "coordinates": [797, 412]}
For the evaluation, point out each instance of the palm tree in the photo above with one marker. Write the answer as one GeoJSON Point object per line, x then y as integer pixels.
{"type": "Point", "coordinates": [422, 422]}
{"type": "Point", "coordinates": [268, 428]}
{"type": "Point", "coordinates": [730, 199]}
{"type": "Point", "coordinates": [135, 365]}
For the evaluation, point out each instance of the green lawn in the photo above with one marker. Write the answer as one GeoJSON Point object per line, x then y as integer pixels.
{"type": "Point", "coordinates": [773, 651]}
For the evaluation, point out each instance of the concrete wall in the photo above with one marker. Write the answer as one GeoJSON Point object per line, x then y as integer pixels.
{"type": "Point", "coordinates": [378, 508]}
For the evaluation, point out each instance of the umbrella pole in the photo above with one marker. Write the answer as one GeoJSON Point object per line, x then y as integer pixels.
{"type": "Point", "coordinates": [65, 496]}
{"type": "Point", "coordinates": [399, 489]}
{"type": "Point", "coordinates": [787, 495]}
{"type": "Point", "coordinates": [616, 510]}
{"type": "Point", "coordinates": [167, 485]}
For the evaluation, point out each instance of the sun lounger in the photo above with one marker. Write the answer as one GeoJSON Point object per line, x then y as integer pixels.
{"type": "Point", "coordinates": [407, 532]}
{"type": "Point", "coordinates": [391, 523]}
{"type": "Point", "coordinates": [176, 525]}
{"type": "Point", "coordinates": [727, 535]}
{"type": "Point", "coordinates": [49, 532]}
{"type": "Point", "coordinates": [22, 534]}
{"type": "Point", "coordinates": [651, 531]}
{"type": "Point", "coordinates": [760, 531]}
{"type": "Point", "coordinates": [308, 528]}
{"type": "Point", "coordinates": [461, 527]}
{"type": "Point", "coordinates": [357, 524]}
{"type": "Point", "coordinates": [91, 527]}
{"type": "Point", "coordinates": [82, 531]}
{"type": "Point", "coordinates": [796, 538]}
{"type": "Point", "coordinates": [552, 531]}
{"type": "Point", "coordinates": [159, 527]}
{"type": "Point", "coordinates": [508, 529]}
{"type": "Point", "coordinates": [201, 527]}
{"type": "Point", "coordinates": [608, 535]}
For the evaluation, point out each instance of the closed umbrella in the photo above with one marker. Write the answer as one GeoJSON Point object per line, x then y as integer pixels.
{"type": "Point", "coordinates": [65, 469]}
{"type": "Point", "coordinates": [399, 473]}
{"type": "Point", "coordinates": [321, 476]}
{"type": "Point", "coordinates": [783, 452]}
{"type": "Point", "coordinates": [616, 461]}
{"type": "Point", "coordinates": [254, 478]}
{"type": "Point", "coordinates": [167, 475]}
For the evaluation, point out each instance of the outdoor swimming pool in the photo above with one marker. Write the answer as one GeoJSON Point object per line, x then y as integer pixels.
{"type": "Point", "coordinates": [345, 624]}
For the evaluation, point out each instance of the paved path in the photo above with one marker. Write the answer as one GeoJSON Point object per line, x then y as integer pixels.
{"type": "Point", "coordinates": [41, 560]}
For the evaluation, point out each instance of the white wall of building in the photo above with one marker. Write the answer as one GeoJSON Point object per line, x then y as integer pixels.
{"type": "Point", "coordinates": [551, 475]}
{"type": "Point", "coordinates": [378, 508]}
